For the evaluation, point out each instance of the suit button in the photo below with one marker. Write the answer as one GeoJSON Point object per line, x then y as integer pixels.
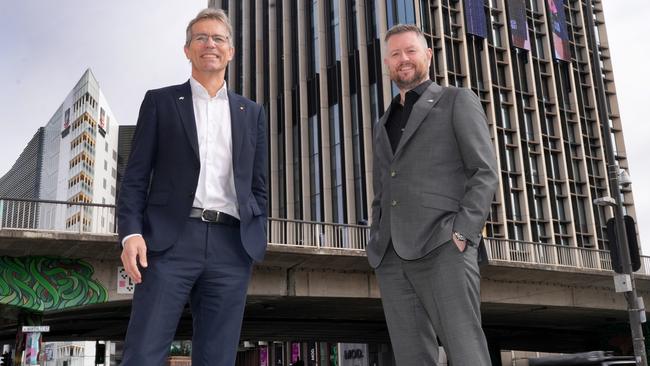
{"type": "Point", "coordinates": [393, 173]}
{"type": "Point", "coordinates": [393, 203]}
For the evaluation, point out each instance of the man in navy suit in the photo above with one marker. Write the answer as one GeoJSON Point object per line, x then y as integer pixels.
{"type": "Point", "coordinates": [192, 207]}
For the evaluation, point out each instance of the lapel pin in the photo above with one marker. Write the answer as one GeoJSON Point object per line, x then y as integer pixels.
{"type": "Point", "coordinates": [181, 98]}
{"type": "Point", "coordinates": [430, 100]}
{"type": "Point", "coordinates": [241, 107]}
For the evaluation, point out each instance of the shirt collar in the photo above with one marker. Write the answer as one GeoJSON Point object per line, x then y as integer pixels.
{"type": "Point", "coordinates": [199, 91]}
{"type": "Point", "coordinates": [418, 90]}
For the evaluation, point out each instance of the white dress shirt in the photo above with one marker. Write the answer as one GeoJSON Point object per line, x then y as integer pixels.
{"type": "Point", "coordinates": [216, 187]}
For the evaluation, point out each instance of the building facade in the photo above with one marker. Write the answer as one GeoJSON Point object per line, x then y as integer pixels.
{"type": "Point", "coordinates": [74, 159]}
{"type": "Point", "coordinates": [23, 179]}
{"type": "Point", "coordinates": [316, 66]}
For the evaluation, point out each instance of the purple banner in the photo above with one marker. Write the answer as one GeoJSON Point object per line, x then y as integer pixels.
{"type": "Point", "coordinates": [295, 352]}
{"type": "Point", "coordinates": [475, 18]}
{"type": "Point", "coordinates": [264, 356]}
{"type": "Point", "coordinates": [518, 26]}
{"type": "Point", "coordinates": [560, 33]}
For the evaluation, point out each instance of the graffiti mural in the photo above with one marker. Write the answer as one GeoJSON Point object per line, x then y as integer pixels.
{"type": "Point", "coordinates": [48, 283]}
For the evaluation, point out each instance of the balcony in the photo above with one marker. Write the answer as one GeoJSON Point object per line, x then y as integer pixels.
{"type": "Point", "coordinates": [308, 237]}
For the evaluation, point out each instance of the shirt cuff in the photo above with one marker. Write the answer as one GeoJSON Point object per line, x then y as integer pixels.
{"type": "Point", "coordinates": [127, 237]}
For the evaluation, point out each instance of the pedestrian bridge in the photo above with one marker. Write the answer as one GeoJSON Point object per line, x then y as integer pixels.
{"type": "Point", "coordinates": [314, 284]}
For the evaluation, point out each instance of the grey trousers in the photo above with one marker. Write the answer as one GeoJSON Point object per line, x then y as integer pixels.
{"type": "Point", "coordinates": [437, 295]}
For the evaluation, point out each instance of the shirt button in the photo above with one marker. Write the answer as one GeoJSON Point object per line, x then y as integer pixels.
{"type": "Point", "coordinates": [393, 173]}
{"type": "Point", "coordinates": [393, 203]}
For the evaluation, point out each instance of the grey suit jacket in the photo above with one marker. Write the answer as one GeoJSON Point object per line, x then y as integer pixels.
{"type": "Point", "coordinates": [441, 178]}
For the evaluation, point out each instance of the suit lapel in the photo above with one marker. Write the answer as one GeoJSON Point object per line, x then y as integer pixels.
{"type": "Point", "coordinates": [237, 125]}
{"type": "Point", "coordinates": [183, 97]}
{"type": "Point", "coordinates": [420, 110]}
{"type": "Point", "coordinates": [384, 151]}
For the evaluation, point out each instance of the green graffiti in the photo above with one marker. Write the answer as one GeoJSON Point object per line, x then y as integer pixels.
{"type": "Point", "coordinates": [48, 283]}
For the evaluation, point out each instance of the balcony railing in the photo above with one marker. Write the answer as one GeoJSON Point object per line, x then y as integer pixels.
{"type": "Point", "coordinates": [57, 216]}
{"type": "Point", "coordinates": [317, 234]}
{"type": "Point", "coordinates": [44, 215]}
{"type": "Point", "coordinates": [515, 251]}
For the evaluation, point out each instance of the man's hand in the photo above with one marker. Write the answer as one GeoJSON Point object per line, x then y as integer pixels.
{"type": "Point", "coordinates": [461, 244]}
{"type": "Point", "coordinates": [134, 248]}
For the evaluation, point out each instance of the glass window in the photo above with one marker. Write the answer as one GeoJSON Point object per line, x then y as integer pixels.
{"type": "Point", "coordinates": [337, 165]}
{"type": "Point", "coordinates": [315, 170]}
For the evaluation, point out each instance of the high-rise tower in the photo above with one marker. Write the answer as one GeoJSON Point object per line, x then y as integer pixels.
{"type": "Point", "coordinates": [317, 67]}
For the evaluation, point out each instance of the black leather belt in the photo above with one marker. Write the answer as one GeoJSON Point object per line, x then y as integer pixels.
{"type": "Point", "coordinates": [213, 216]}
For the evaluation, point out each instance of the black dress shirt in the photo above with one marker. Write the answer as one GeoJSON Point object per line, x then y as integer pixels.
{"type": "Point", "coordinates": [399, 114]}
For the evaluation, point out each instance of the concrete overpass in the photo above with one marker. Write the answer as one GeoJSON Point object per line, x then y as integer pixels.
{"type": "Point", "coordinates": [315, 284]}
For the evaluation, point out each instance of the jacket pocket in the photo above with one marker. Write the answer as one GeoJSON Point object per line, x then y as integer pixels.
{"type": "Point", "coordinates": [440, 202]}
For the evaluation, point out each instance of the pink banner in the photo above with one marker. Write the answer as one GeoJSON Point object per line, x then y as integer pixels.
{"type": "Point", "coordinates": [264, 356]}
{"type": "Point", "coordinates": [295, 352]}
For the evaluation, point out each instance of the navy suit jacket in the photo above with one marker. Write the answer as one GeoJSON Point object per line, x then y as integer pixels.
{"type": "Point", "coordinates": [159, 183]}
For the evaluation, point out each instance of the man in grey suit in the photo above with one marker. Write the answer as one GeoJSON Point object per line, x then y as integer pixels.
{"type": "Point", "coordinates": [434, 178]}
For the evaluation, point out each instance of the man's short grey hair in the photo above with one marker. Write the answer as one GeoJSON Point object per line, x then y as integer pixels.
{"type": "Point", "coordinates": [405, 28]}
{"type": "Point", "coordinates": [209, 13]}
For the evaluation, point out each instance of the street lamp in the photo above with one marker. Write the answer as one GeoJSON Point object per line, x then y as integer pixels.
{"type": "Point", "coordinates": [624, 281]}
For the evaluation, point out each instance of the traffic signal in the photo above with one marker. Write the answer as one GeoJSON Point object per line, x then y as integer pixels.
{"type": "Point", "coordinates": [633, 245]}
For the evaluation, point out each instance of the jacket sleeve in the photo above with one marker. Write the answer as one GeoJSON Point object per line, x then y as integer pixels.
{"type": "Point", "coordinates": [135, 183]}
{"type": "Point", "coordinates": [260, 164]}
{"type": "Point", "coordinates": [376, 187]}
{"type": "Point", "coordinates": [479, 164]}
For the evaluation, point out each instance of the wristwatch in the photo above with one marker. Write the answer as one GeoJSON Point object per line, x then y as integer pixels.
{"type": "Point", "coordinates": [459, 236]}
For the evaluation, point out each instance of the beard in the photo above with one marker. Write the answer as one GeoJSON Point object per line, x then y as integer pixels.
{"type": "Point", "coordinates": [420, 73]}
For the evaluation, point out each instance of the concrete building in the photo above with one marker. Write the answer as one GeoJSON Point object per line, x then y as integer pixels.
{"type": "Point", "coordinates": [80, 353]}
{"type": "Point", "coordinates": [73, 158]}
{"type": "Point", "coordinates": [23, 179]}
{"type": "Point", "coordinates": [317, 68]}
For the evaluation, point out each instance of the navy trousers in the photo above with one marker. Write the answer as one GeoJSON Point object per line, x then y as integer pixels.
{"type": "Point", "coordinates": [208, 267]}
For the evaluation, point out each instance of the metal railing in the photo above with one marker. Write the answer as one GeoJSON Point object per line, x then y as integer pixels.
{"type": "Point", "coordinates": [64, 216]}
{"type": "Point", "coordinates": [505, 250]}
{"type": "Point", "coordinates": [317, 234]}
{"type": "Point", "coordinates": [57, 216]}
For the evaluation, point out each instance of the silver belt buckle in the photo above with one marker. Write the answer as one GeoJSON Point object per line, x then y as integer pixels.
{"type": "Point", "coordinates": [203, 216]}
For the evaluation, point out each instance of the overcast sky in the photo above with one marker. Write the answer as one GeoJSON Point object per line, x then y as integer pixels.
{"type": "Point", "coordinates": [133, 46]}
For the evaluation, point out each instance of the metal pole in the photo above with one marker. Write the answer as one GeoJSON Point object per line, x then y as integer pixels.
{"type": "Point", "coordinates": [613, 170]}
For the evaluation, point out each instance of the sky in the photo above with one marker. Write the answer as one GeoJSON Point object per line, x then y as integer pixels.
{"type": "Point", "coordinates": [133, 46]}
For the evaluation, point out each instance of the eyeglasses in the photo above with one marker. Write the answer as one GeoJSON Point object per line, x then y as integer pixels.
{"type": "Point", "coordinates": [203, 39]}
